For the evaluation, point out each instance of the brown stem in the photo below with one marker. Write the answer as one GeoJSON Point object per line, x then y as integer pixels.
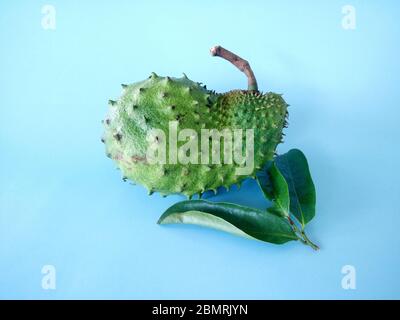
{"type": "Point", "coordinates": [238, 62]}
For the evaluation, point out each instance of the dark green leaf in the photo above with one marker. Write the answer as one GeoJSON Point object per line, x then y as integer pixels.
{"type": "Point", "coordinates": [231, 218]}
{"type": "Point", "coordinates": [294, 167]}
{"type": "Point", "coordinates": [275, 188]}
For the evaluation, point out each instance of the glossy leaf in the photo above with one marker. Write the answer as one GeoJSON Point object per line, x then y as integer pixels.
{"type": "Point", "coordinates": [294, 167]}
{"type": "Point", "coordinates": [275, 188]}
{"type": "Point", "coordinates": [232, 218]}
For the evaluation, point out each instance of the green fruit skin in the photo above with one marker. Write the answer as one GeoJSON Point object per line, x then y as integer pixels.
{"type": "Point", "coordinates": [156, 101]}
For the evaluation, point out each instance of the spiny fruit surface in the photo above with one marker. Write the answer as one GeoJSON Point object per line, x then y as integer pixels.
{"type": "Point", "coordinates": [156, 101]}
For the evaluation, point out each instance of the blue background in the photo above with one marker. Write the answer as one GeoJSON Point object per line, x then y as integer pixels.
{"type": "Point", "coordinates": [62, 202]}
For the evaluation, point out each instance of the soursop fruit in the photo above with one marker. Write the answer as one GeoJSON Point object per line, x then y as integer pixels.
{"type": "Point", "coordinates": [161, 102]}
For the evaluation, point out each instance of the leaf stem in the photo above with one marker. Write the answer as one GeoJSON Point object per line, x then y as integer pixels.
{"type": "Point", "coordinates": [309, 242]}
{"type": "Point", "coordinates": [302, 235]}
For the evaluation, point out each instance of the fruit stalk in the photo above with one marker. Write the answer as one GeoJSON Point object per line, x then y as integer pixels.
{"type": "Point", "coordinates": [238, 62]}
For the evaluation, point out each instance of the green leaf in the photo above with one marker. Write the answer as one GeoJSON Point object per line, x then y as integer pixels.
{"type": "Point", "coordinates": [294, 167]}
{"type": "Point", "coordinates": [275, 188]}
{"type": "Point", "coordinates": [232, 218]}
